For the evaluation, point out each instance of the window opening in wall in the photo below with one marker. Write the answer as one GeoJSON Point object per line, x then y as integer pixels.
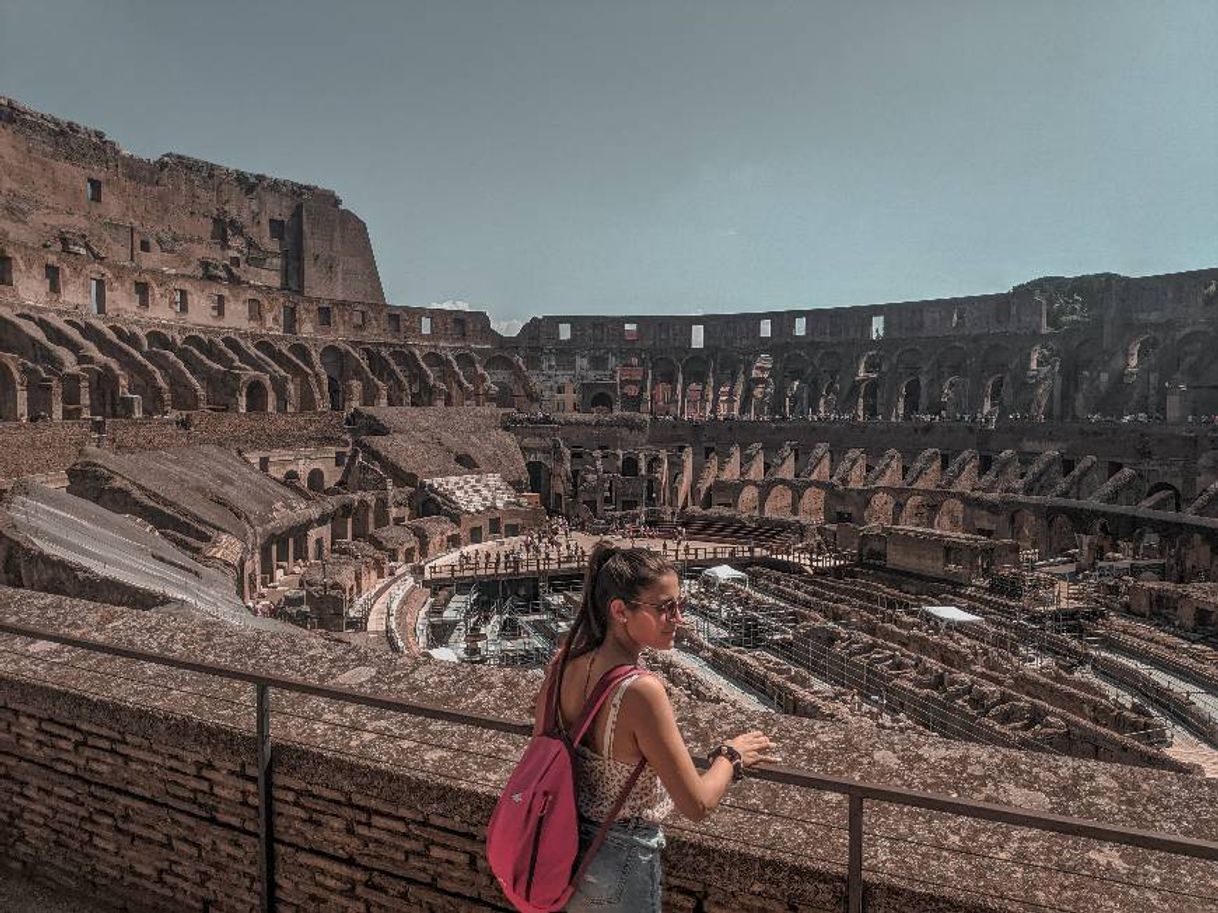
{"type": "Point", "coordinates": [52, 273]}
{"type": "Point", "coordinates": [763, 328]}
{"type": "Point", "coordinates": [219, 231]}
{"type": "Point", "coordinates": [323, 316]}
{"type": "Point", "coordinates": [217, 306]}
{"type": "Point", "coordinates": [276, 227]}
{"type": "Point", "coordinates": [141, 294]}
{"type": "Point", "coordinates": [361, 318]}
{"type": "Point", "coordinates": [877, 327]}
{"type": "Point", "coordinates": [630, 331]}
{"type": "Point", "coordinates": [1114, 467]}
{"type": "Point", "coordinates": [181, 302]}
{"type": "Point", "coordinates": [459, 327]}
{"type": "Point", "coordinates": [97, 295]}
{"type": "Point", "coordinates": [425, 326]}
{"type": "Point", "coordinates": [93, 190]}
{"type": "Point", "coordinates": [145, 246]}
{"type": "Point", "coordinates": [395, 323]}
{"type": "Point", "coordinates": [289, 318]}
{"type": "Point", "coordinates": [564, 332]}
{"type": "Point", "coordinates": [340, 458]}
{"type": "Point", "coordinates": [696, 336]}
{"type": "Point", "coordinates": [801, 326]}
{"type": "Point", "coordinates": [6, 270]}
{"type": "Point", "coordinates": [957, 318]}
{"type": "Point", "coordinates": [254, 307]}
{"type": "Point", "coordinates": [496, 526]}
{"type": "Point", "coordinates": [264, 464]}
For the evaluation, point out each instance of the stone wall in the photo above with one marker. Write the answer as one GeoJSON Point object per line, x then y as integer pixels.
{"type": "Point", "coordinates": [137, 784]}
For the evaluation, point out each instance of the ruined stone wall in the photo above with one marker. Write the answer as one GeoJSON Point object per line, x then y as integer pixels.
{"type": "Point", "coordinates": [70, 188]}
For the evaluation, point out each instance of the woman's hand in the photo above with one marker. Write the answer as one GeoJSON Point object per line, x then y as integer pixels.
{"type": "Point", "coordinates": [754, 748]}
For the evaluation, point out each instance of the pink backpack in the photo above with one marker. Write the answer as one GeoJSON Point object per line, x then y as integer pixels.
{"type": "Point", "coordinates": [532, 841]}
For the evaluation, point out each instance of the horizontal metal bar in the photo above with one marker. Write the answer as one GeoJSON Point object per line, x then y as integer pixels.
{"type": "Point", "coordinates": [896, 795]}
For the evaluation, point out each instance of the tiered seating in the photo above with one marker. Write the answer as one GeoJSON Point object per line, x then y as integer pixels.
{"type": "Point", "coordinates": [474, 494]}
{"type": "Point", "coordinates": [733, 531]}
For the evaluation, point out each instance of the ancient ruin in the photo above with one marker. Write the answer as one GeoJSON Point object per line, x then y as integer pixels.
{"type": "Point", "coordinates": [958, 546]}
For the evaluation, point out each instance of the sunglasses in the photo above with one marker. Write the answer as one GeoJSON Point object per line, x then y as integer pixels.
{"type": "Point", "coordinates": [669, 608]}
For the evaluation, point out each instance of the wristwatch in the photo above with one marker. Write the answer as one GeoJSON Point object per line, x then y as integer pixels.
{"type": "Point", "coordinates": [727, 751]}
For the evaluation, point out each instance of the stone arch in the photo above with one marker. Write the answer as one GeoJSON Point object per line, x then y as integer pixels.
{"type": "Point", "coordinates": [504, 374]}
{"type": "Point", "coordinates": [909, 399]}
{"type": "Point", "coordinates": [630, 465]}
{"type": "Point", "coordinates": [1139, 350]}
{"type": "Point", "coordinates": [1147, 544]}
{"type": "Point", "coordinates": [949, 518]}
{"type": "Point", "coordinates": [316, 480]}
{"type": "Point", "coordinates": [1164, 492]}
{"type": "Point", "coordinates": [465, 461]}
{"type": "Point", "coordinates": [539, 480]}
{"type": "Point", "coordinates": [778, 503]}
{"type": "Point", "coordinates": [694, 393]}
{"type": "Point", "coordinates": [812, 505]}
{"type": "Point", "coordinates": [10, 392]}
{"type": "Point", "coordinates": [869, 399]}
{"type": "Point", "coordinates": [870, 362]}
{"type": "Point", "coordinates": [794, 384]}
{"type": "Point", "coordinates": [918, 511]}
{"type": "Point", "coordinates": [746, 501]}
{"type": "Point", "coordinates": [992, 399]}
{"type": "Point", "coordinates": [664, 385]}
{"type": "Point", "coordinates": [1025, 529]}
{"type": "Point", "coordinates": [156, 339]}
{"type": "Point", "coordinates": [256, 397]}
{"type": "Point", "coordinates": [880, 509]}
{"type": "Point", "coordinates": [601, 402]}
{"type": "Point", "coordinates": [333, 362]}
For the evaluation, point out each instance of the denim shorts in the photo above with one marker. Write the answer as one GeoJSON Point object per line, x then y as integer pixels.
{"type": "Point", "coordinates": [625, 875]}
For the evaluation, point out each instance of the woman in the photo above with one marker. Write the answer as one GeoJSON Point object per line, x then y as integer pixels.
{"type": "Point", "coordinates": [632, 600]}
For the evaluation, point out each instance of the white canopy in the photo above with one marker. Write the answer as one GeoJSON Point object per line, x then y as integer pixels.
{"type": "Point", "coordinates": [951, 613]}
{"type": "Point", "coordinates": [722, 572]}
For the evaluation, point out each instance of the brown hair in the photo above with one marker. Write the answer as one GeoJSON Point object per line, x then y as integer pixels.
{"type": "Point", "coordinates": [613, 573]}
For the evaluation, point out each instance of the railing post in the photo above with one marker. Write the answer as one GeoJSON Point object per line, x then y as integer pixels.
{"type": "Point", "coordinates": [266, 836]}
{"type": "Point", "coordinates": [854, 865]}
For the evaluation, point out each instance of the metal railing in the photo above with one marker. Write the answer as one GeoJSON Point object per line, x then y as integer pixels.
{"type": "Point", "coordinates": [856, 791]}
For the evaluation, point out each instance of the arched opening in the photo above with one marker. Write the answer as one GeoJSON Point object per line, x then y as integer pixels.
{"type": "Point", "coordinates": [1147, 544]}
{"type": "Point", "coordinates": [316, 480]}
{"type": "Point", "coordinates": [1162, 496]}
{"type": "Point", "coordinates": [950, 516]}
{"type": "Point", "coordinates": [8, 394]}
{"type": "Point", "coordinates": [539, 480]}
{"type": "Point", "coordinates": [911, 398]}
{"type": "Point", "coordinates": [465, 461]}
{"type": "Point", "coordinates": [993, 393]}
{"type": "Point", "coordinates": [256, 396]}
{"type": "Point", "coordinates": [663, 387]}
{"type": "Point", "coordinates": [630, 465]}
{"type": "Point", "coordinates": [333, 363]}
{"type": "Point", "coordinates": [778, 502]}
{"type": "Point", "coordinates": [601, 402]}
{"type": "Point", "coordinates": [869, 400]}
{"type": "Point", "coordinates": [917, 512]}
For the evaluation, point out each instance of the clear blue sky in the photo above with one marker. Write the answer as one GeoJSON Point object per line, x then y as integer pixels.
{"type": "Point", "coordinates": [631, 156]}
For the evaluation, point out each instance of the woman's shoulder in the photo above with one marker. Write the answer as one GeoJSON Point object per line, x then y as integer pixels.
{"type": "Point", "coordinates": [646, 691]}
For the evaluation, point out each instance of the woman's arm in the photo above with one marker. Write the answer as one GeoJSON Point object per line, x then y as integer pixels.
{"type": "Point", "coordinates": [647, 713]}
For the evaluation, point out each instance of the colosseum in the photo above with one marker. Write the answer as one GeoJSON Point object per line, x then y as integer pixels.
{"type": "Point", "coordinates": [282, 562]}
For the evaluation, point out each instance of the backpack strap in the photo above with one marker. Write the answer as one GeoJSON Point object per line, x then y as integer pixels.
{"type": "Point", "coordinates": [597, 698]}
{"type": "Point", "coordinates": [609, 681]}
{"type": "Point", "coordinates": [603, 830]}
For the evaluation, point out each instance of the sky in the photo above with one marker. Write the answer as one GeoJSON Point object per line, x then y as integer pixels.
{"type": "Point", "coordinates": [654, 156]}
